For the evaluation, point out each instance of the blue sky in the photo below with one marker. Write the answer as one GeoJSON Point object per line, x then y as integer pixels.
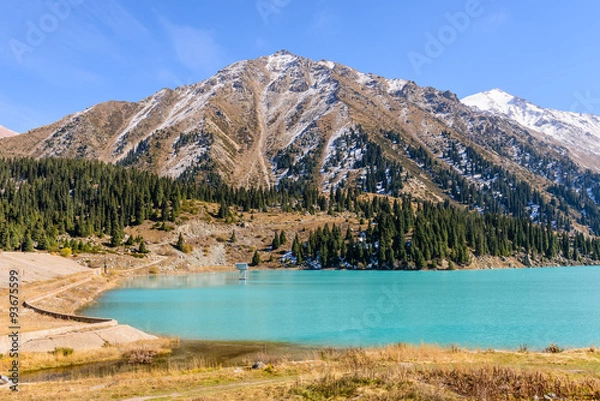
{"type": "Point", "coordinates": [61, 56]}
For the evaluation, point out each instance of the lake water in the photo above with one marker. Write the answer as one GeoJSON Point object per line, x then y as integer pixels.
{"type": "Point", "coordinates": [485, 308]}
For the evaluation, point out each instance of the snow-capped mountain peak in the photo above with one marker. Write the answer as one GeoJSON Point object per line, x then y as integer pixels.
{"type": "Point", "coordinates": [580, 133]}
{"type": "Point", "coordinates": [495, 100]}
{"type": "Point", "coordinates": [279, 61]}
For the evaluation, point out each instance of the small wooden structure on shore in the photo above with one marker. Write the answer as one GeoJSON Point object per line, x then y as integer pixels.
{"type": "Point", "coordinates": [243, 268]}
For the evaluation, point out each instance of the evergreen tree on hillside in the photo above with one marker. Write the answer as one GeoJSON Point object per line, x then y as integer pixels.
{"type": "Point", "coordinates": [27, 245]}
{"type": "Point", "coordinates": [180, 243]}
{"type": "Point", "coordinates": [275, 243]}
{"type": "Point", "coordinates": [223, 210]}
{"type": "Point", "coordinates": [255, 259]}
{"type": "Point", "coordinates": [297, 250]}
{"type": "Point", "coordinates": [142, 248]}
{"type": "Point", "coordinates": [43, 200]}
{"type": "Point", "coordinates": [116, 234]}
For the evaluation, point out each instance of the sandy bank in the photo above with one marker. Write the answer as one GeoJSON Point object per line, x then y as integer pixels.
{"type": "Point", "coordinates": [58, 287]}
{"type": "Point", "coordinates": [34, 267]}
{"type": "Point", "coordinates": [79, 337]}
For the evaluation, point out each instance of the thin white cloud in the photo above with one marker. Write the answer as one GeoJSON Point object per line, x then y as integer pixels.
{"type": "Point", "coordinates": [85, 26]}
{"type": "Point", "coordinates": [490, 23]}
{"type": "Point", "coordinates": [111, 14]}
{"type": "Point", "coordinates": [92, 28]}
{"type": "Point", "coordinates": [195, 48]}
{"type": "Point", "coordinates": [100, 28]}
{"type": "Point", "coordinates": [324, 22]}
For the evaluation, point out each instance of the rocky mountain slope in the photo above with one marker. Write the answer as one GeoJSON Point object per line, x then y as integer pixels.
{"type": "Point", "coordinates": [6, 133]}
{"type": "Point", "coordinates": [287, 120]}
{"type": "Point", "coordinates": [251, 113]}
{"type": "Point", "coordinates": [580, 133]}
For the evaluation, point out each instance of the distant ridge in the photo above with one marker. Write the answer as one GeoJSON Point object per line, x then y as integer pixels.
{"type": "Point", "coordinates": [6, 133]}
{"type": "Point", "coordinates": [580, 133]}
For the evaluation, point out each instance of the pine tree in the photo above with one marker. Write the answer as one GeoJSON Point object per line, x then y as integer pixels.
{"type": "Point", "coordinates": [420, 261]}
{"type": "Point", "coordinates": [297, 250]}
{"type": "Point", "coordinates": [275, 243]}
{"type": "Point", "coordinates": [566, 246]}
{"type": "Point", "coordinates": [255, 259]}
{"type": "Point", "coordinates": [116, 235]}
{"type": "Point", "coordinates": [180, 243]}
{"type": "Point", "coordinates": [551, 248]}
{"type": "Point", "coordinates": [164, 213]}
{"type": "Point", "coordinates": [223, 210]}
{"type": "Point", "coordinates": [27, 245]}
{"type": "Point", "coordinates": [43, 244]}
{"type": "Point", "coordinates": [142, 248]}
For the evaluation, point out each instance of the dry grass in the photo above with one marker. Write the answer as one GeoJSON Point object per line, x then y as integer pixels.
{"type": "Point", "coordinates": [33, 361]}
{"type": "Point", "coordinates": [504, 383]}
{"type": "Point", "coordinates": [399, 372]}
{"type": "Point", "coordinates": [444, 374]}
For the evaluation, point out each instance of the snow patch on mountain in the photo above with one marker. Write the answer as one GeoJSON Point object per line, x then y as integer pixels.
{"type": "Point", "coordinates": [301, 108]}
{"type": "Point", "coordinates": [149, 104]}
{"type": "Point", "coordinates": [396, 85]}
{"type": "Point", "coordinates": [279, 62]}
{"type": "Point", "coordinates": [327, 64]}
{"type": "Point", "coordinates": [341, 155]}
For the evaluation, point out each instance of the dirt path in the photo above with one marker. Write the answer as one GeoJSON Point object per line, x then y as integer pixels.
{"type": "Point", "coordinates": [61, 289]}
{"type": "Point", "coordinates": [155, 262]}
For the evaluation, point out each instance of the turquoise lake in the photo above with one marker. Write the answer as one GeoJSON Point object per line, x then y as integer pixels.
{"type": "Point", "coordinates": [483, 308]}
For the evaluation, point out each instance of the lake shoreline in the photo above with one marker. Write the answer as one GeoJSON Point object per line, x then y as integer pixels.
{"type": "Point", "coordinates": [101, 284]}
{"type": "Point", "coordinates": [536, 339]}
{"type": "Point", "coordinates": [417, 370]}
{"type": "Point", "coordinates": [232, 354]}
{"type": "Point", "coordinates": [195, 367]}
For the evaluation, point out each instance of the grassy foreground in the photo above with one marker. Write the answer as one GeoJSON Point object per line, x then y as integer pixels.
{"type": "Point", "coordinates": [398, 372]}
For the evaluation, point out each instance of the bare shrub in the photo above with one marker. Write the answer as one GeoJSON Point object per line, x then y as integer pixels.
{"type": "Point", "coordinates": [139, 356]}
{"type": "Point", "coordinates": [553, 349]}
{"type": "Point", "coordinates": [497, 383]}
{"type": "Point", "coordinates": [64, 351]}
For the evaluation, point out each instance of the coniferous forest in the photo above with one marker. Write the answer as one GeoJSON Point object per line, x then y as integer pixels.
{"type": "Point", "coordinates": [42, 200]}
{"type": "Point", "coordinates": [400, 237]}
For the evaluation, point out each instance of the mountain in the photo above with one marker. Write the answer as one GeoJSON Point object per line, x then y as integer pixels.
{"type": "Point", "coordinates": [6, 133]}
{"type": "Point", "coordinates": [240, 120]}
{"type": "Point", "coordinates": [250, 115]}
{"type": "Point", "coordinates": [580, 133]}
{"type": "Point", "coordinates": [290, 122]}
